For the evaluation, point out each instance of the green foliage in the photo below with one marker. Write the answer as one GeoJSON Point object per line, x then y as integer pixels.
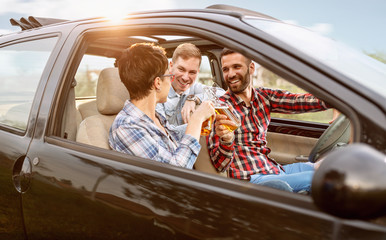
{"type": "Point", "coordinates": [86, 83]}
{"type": "Point", "coordinates": [380, 56]}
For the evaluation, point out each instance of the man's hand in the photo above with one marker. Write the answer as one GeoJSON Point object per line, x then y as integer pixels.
{"type": "Point", "coordinates": [335, 115]}
{"type": "Point", "coordinates": [224, 133]}
{"type": "Point", "coordinates": [187, 110]}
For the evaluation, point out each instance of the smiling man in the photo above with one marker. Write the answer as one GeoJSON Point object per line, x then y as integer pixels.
{"type": "Point", "coordinates": [185, 93]}
{"type": "Point", "coordinates": [246, 155]}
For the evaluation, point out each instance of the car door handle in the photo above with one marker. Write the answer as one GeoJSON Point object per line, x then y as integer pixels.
{"type": "Point", "coordinates": [301, 158]}
{"type": "Point", "coordinates": [22, 172]}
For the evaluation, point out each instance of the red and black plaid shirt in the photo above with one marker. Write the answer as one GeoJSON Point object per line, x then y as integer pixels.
{"type": "Point", "coordinates": [248, 153]}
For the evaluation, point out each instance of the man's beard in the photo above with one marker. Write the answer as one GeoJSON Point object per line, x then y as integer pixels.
{"type": "Point", "coordinates": [245, 81]}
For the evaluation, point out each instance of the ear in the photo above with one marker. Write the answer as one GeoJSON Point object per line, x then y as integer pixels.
{"type": "Point", "coordinates": [171, 64]}
{"type": "Point", "coordinates": [252, 68]}
{"type": "Point", "coordinates": [157, 83]}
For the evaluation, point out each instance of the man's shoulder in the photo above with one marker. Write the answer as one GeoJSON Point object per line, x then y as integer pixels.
{"type": "Point", "coordinates": [196, 88]}
{"type": "Point", "coordinates": [264, 91]}
{"type": "Point", "coordinates": [226, 97]}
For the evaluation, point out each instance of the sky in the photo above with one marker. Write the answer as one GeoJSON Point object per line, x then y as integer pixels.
{"type": "Point", "coordinates": [359, 24]}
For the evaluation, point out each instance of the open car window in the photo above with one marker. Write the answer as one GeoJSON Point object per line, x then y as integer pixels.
{"type": "Point", "coordinates": [97, 105]}
{"type": "Point", "coordinates": [266, 78]}
{"type": "Point", "coordinates": [88, 73]}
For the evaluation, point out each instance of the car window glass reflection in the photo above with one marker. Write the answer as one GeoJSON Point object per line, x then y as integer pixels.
{"type": "Point", "coordinates": [20, 70]}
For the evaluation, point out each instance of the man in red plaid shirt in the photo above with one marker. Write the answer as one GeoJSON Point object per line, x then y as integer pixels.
{"type": "Point", "coordinates": [244, 152]}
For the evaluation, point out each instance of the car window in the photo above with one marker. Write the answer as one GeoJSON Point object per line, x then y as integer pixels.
{"type": "Point", "coordinates": [21, 67]}
{"type": "Point", "coordinates": [88, 73]}
{"type": "Point", "coordinates": [265, 78]}
{"type": "Point", "coordinates": [205, 75]}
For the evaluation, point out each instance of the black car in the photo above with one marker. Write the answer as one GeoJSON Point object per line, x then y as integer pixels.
{"type": "Point", "coordinates": [60, 92]}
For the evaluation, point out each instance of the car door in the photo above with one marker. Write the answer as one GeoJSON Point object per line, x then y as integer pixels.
{"type": "Point", "coordinates": [82, 190]}
{"type": "Point", "coordinates": [24, 61]}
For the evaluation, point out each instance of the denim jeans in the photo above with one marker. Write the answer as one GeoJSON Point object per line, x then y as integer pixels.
{"type": "Point", "coordinates": [278, 184]}
{"type": "Point", "coordinates": [297, 175]}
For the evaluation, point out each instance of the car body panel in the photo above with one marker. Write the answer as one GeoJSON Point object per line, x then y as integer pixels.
{"type": "Point", "coordinates": [150, 197]}
{"type": "Point", "coordinates": [13, 147]}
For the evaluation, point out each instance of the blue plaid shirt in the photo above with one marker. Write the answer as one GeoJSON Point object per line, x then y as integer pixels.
{"type": "Point", "coordinates": [133, 132]}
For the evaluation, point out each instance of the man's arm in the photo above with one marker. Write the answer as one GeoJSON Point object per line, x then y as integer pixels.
{"type": "Point", "coordinates": [187, 110]}
{"type": "Point", "coordinates": [285, 102]}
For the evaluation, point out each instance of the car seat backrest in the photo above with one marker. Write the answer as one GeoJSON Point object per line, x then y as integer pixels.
{"type": "Point", "coordinates": [87, 108]}
{"type": "Point", "coordinates": [111, 95]}
{"type": "Point", "coordinates": [203, 162]}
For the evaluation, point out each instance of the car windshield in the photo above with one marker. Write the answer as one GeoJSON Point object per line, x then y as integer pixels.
{"type": "Point", "coordinates": [361, 68]}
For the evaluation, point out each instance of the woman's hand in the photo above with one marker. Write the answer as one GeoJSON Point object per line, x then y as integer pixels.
{"type": "Point", "coordinates": [203, 112]}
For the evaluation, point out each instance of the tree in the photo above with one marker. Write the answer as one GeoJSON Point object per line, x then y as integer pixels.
{"type": "Point", "coordinates": [380, 56]}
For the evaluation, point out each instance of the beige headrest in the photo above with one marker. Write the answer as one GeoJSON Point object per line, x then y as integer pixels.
{"type": "Point", "coordinates": [111, 93]}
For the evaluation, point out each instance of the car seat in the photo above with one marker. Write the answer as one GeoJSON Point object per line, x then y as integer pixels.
{"type": "Point", "coordinates": [110, 98]}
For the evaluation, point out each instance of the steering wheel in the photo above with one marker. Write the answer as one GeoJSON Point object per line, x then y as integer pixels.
{"type": "Point", "coordinates": [337, 134]}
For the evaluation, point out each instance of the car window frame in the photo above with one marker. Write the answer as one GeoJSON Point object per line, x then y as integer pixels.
{"type": "Point", "coordinates": [103, 30]}
{"type": "Point", "coordinates": [52, 134]}
{"type": "Point", "coordinates": [42, 81]}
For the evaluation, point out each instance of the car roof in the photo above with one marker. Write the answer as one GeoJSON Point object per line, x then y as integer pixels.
{"type": "Point", "coordinates": [31, 22]}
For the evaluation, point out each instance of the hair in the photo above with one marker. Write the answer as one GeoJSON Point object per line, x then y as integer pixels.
{"type": "Point", "coordinates": [139, 65]}
{"type": "Point", "coordinates": [185, 51]}
{"type": "Point", "coordinates": [227, 51]}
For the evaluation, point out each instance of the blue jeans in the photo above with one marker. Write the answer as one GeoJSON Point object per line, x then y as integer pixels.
{"type": "Point", "coordinates": [297, 175]}
{"type": "Point", "coordinates": [278, 184]}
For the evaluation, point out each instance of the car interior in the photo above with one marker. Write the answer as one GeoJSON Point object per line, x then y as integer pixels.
{"type": "Point", "coordinates": [96, 95]}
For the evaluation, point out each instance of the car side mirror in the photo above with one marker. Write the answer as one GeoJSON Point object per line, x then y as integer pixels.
{"type": "Point", "coordinates": [351, 183]}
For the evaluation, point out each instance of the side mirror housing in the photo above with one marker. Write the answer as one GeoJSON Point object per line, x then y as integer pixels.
{"type": "Point", "coordinates": [351, 183]}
